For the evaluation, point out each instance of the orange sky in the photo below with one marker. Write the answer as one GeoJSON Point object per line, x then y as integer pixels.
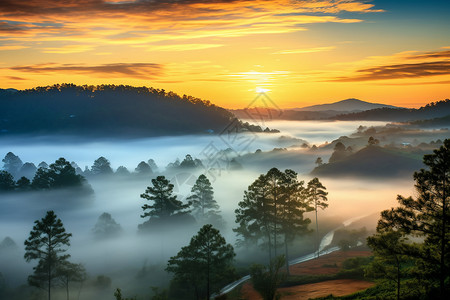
{"type": "Point", "coordinates": [299, 52]}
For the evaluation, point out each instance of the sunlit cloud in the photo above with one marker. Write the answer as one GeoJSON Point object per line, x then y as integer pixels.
{"type": "Point", "coordinates": [138, 22]}
{"type": "Point", "coordinates": [68, 49]}
{"type": "Point", "coordinates": [133, 70]}
{"type": "Point", "coordinates": [431, 64]}
{"type": "Point", "coordinates": [12, 47]}
{"type": "Point", "coordinates": [182, 47]}
{"type": "Point", "coordinates": [305, 50]}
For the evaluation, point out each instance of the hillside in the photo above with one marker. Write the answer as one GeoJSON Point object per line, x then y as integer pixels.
{"type": "Point", "coordinates": [373, 161]}
{"type": "Point", "coordinates": [347, 105]}
{"type": "Point", "coordinates": [432, 110]}
{"type": "Point", "coordinates": [107, 110]}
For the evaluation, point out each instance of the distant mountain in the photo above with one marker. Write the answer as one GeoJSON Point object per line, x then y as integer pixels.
{"type": "Point", "coordinates": [107, 110]}
{"type": "Point", "coordinates": [315, 112]}
{"type": "Point", "coordinates": [373, 161]}
{"type": "Point", "coordinates": [439, 109]}
{"type": "Point", "coordinates": [348, 105]}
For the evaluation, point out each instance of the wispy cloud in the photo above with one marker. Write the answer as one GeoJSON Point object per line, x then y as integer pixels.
{"type": "Point", "coordinates": [429, 64]}
{"type": "Point", "coordinates": [144, 22]}
{"type": "Point", "coordinates": [305, 50]}
{"type": "Point", "coordinates": [133, 70]}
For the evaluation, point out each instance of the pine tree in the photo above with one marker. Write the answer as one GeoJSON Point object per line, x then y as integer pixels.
{"type": "Point", "coordinates": [204, 205]}
{"type": "Point", "coordinates": [46, 243]}
{"type": "Point", "coordinates": [204, 263]}
{"type": "Point", "coordinates": [427, 216]}
{"type": "Point", "coordinates": [318, 197]}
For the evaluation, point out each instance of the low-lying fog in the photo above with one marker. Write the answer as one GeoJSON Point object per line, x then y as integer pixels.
{"type": "Point", "coordinates": [123, 257]}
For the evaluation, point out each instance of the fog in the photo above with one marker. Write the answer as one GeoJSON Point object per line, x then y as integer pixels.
{"type": "Point", "coordinates": [122, 258]}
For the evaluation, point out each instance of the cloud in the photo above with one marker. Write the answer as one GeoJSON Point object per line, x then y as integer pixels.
{"type": "Point", "coordinates": [305, 50]}
{"type": "Point", "coordinates": [430, 64]}
{"type": "Point", "coordinates": [68, 49]}
{"type": "Point", "coordinates": [12, 47]}
{"type": "Point", "coordinates": [182, 47]}
{"type": "Point", "coordinates": [400, 71]}
{"type": "Point", "coordinates": [427, 55]}
{"type": "Point", "coordinates": [145, 21]}
{"type": "Point", "coordinates": [132, 70]}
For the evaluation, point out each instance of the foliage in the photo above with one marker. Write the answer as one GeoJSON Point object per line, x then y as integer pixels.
{"type": "Point", "coordinates": [205, 207]}
{"type": "Point", "coordinates": [109, 110]}
{"type": "Point", "coordinates": [205, 263]}
{"type": "Point", "coordinates": [318, 197]}
{"type": "Point", "coordinates": [12, 163]}
{"type": "Point", "coordinates": [46, 243]}
{"type": "Point", "coordinates": [273, 206]}
{"type": "Point", "coordinates": [106, 227]}
{"type": "Point", "coordinates": [101, 166]}
{"type": "Point", "coordinates": [266, 281]}
{"type": "Point", "coordinates": [60, 174]}
{"type": "Point", "coordinates": [165, 205]}
{"type": "Point", "coordinates": [6, 181]}
{"type": "Point", "coordinates": [426, 217]}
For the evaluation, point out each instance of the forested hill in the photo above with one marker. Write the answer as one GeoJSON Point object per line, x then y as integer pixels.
{"type": "Point", "coordinates": [107, 110]}
{"type": "Point", "coordinates": [432, 110]}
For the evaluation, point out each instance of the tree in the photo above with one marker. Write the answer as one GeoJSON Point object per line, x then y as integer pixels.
{"type": "Point", "coordinates": [318, 197]}
{"type": "Point", "coordinates": [339, 153]}
{"type": "Point", "coordinates": [389, 264]}
{"type": "Point", "coordinates": [373, 141]}
{"type": "Point", "coordinates": [319, 161]}
{"type": "Point", "coordinates": [27, 170]}
{"type": "Point", "coordinates": [12, 163]}
{"type": "Point", "coordinates": [293, 206]}
{"type": "Point", "coordinates": [204, 205]}
{"type": "Point", "coordinates": [165, 204]}
{"type": "Point", "coordinates": [152, 164]}
{"type": "Point", "coordinates": [143, 169]}
{"type": "Point", "coordinates": [254, 216]}
{"type": "Point", "coordinates": [46, 243]}
{"type": "Point", "coordinates": [122, 171]}
{"type": "Point", "coordinates": [23, 184]}
{"type": "Point", "coordinates": [70, 272]}
{"type": "Point", "coordinates": [63, 174]}
{"type": "Point", "coordinates": [101, 166]}
{"type": "Point", "coordinates": [204, 263]}
{"type": "Point", "coordinates": [6, 181]}
{"type": "Point", "coordinates": [273, 206]}
{"type": "Point", "coordinates": [266, 280]}
{"type": "Point", "coordinates": [428, 217]}
{"type": "Point", "coordinates": [60, 174]}
{"type": "Point", "coordinates": [106, 227]}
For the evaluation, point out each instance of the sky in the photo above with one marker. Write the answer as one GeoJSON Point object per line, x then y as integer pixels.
{"type": "Point", "coordinates": [297, 52]}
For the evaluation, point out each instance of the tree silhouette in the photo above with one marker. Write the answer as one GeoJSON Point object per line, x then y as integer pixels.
{"type": "Point", "coordinates": [69, 272]}
{"type": "Point", "coordinates": [6, 181]}
{"type": "Point", "coordinates": [428, 217]}
{"type": "Point", "coordinates": [204, 205]}
{"type": "Point", "coordinates": [143, 169]}
{"type": "Point", "coordinates": [12, 163]}
{"type": "Point", "coordinates": [165, 204]}
{"type": "Point", "coordinates": [106, 227]}
{"type": "Point", "coordinates": [273, 207]}
{"type": "Point", "coordinates": [318, 197]}
{"type": "Point", "coordinates": [46, 243]}
{"type": "Point", "coordinates": [373, 141]}
{"type": "Point", "coordinates": [390, 260]}
{"type": "Point", "coordinates": [266, 280]}
{"type": "Point", "coordinates": [204, 263]}
{"type": "Point", "coordinates": [101, 166]}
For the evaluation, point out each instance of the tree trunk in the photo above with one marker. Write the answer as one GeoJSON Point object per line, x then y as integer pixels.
{"type": "Point", "coordinates": [67, 287]}
{"type": "Point", "coordinates": [317, 230]}
{"type": "Point", "coordinates": [286, 255]}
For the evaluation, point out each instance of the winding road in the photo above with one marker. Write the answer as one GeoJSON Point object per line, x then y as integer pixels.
{"type": "Point", "coordinates": [326, 241]}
